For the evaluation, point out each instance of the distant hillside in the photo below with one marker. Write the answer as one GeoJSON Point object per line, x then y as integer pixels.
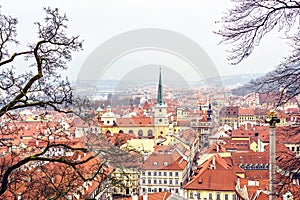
{"type": "Point", "coordinates": [233, 81]}
{"type": "Point", "coordinates": [239, 79]}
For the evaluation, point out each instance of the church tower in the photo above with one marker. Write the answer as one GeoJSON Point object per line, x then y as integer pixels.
{"type": "Point", "coordinates": [160, 112]}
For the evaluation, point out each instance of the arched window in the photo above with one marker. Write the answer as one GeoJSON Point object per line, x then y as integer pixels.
{"type": "Point", "coordinates": [150, 133]}
{"type": "Point", "coordinates": [140, 132]}
{"type": "Point", "coordinates": [121, 131]}
{"type": "Point", "coordinates": [130, 131]}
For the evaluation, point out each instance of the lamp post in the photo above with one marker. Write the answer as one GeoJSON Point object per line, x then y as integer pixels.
{"type": "Point", "coordinates": [272, 120]}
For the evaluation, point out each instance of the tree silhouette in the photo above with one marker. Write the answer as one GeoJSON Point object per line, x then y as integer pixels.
{"type": "Point", "coordinates": [245, 25]}
{"type": "Point", "coordinates": [56, 166]}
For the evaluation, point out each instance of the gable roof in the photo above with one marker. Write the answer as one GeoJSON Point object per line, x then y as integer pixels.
{"type": "Point", "coordinates": [238, 145]}
{"type": "Point", "coordinates": [242, 158]}
{"type": "Point", "coordinates": [214, 179]}
{"type": "Point", "coordinates": [170, 160]}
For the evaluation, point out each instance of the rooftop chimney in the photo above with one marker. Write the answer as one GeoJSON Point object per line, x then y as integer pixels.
{"type": "Point", "coordinates": [213, 162]}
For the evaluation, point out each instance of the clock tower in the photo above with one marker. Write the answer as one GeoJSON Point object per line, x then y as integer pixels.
{"type": "Point", "coordinates": [160, 112]}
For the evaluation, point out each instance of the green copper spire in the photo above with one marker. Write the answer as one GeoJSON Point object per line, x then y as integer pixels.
{"type": "Point", "coordinates": [160, 100]}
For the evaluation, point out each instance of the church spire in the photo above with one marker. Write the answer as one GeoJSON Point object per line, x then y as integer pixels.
{"type": "Point", "coordinates": [160, 100]}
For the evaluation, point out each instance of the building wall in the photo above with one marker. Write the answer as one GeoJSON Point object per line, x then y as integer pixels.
{"type": "Point", "coordinates": [162, 180]}
{"type": "Point", "coordinates": [179, 128]}
{"type": "Point", "coordinates": [261, 145]}
{"type": "Point", "coordinates": [210, 195]}
{"type": "Point", "coordinates": [247, 118]}
{"type": "Point", "coordinates": [240, 138]}
{"type": "Point", "coordinates": [254, 146]}
{"type": "Point", "coordinates": [129, 181]}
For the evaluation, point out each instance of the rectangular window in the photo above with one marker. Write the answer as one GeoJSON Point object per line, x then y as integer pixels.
{"type": "Point", "coordinates": [210, 196]}
{"type": "Point", "coordinates": [159, 181]}
{"type": "Point", "coordinates": [149, 181]}
{"type": "Point", "coordinates": [143, 181]}
{"type": "Point", "coordinates": [176, 174]}
{"type": "Point", "coordinates": [159, 173]}
{"type": "Point", "coordinates": [149, 190]}
{"type": "Point", "coordinates": [234, 197]}
{"type": "Point", "coordinates": [218, 196]}
{"type": "Point", "coordinates": [154, 181]}
{"type": "Point", "coordinates": [198, 195]}
{"type": "Point", "coordinates": [149, 173]}
{"type": "Point", "coordinates": [154, 173]}
{"type": "Point", "coordinates": [170, 174]}
{"type": "Point", "coordinates": [165, 181]}
{"type": "Point", "coordinates": [226, 196]}
{"type": "Point", "coordinates": [170, 181]}
{"type": "Point", "coordinates": [176, 182]}
{"type": "Point", "coordinates": [165, 173]}
{"type": "Point", "coordinates": [191, 195]}
{"type": "Point", "coordinates": [143, 173]}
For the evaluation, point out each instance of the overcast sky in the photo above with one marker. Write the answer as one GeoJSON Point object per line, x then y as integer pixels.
{"type": "Point", "coordinates": [96, 21]}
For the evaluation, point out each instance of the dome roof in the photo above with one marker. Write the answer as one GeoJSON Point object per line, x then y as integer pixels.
{"type": "Point", "coordinates": [99, 109]}
{"type": "Point", "coordinates": [108, 114]}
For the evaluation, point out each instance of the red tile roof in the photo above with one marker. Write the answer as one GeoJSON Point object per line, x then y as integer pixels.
{"type": "Point", "coordinates": [184, 123]}
{"type": "Point", "coordinates": [250, 158]}
{"type": "Point", "coordinates": [135, 122]}
{"type": "Point", "coordinates": [253, 185]}
{"type": "Point", "coordinates": [118, 139]}
{"type": "Point", "coordinates": [216, 161]}
{"type": "Point", "coordinates": [246, 111]}
{"type": "Point", "coordinates": [237, 145]}
{"type": "Point", "coordinates": [214, 179]}
{"type": "Point", "coordinates": [153, 196]}
{"type": "Point", "coordinates": [250, 131]}
{"type": "Point", "coordinates": [262, 196]}
{"type": "Point", "coordinates": [162, 160]}
{"type": "Point", "coordinates": [257, 174]}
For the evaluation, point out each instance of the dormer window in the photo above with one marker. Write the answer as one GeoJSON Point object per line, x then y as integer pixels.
{"type": "Point", "coordinates": [155, 164]}
{"type": "Point", "coordinates": [166, 163]}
